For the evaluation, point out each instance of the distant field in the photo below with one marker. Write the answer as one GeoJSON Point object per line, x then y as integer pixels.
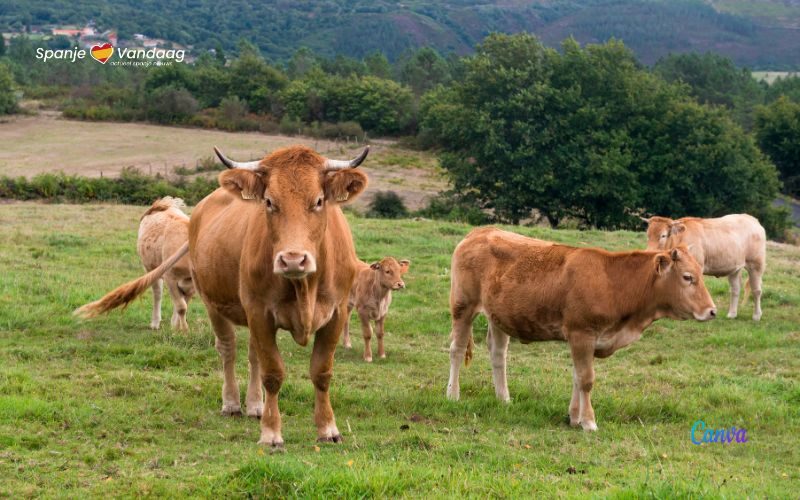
{"type": "Point", "coordinates": [108, 408]}
{"type": "Point", "coordinates": [771, 76]}
{"type": "Point", "coordinates": [33, 144]}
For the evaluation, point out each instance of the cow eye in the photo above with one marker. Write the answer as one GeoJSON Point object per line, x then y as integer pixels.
{"type": "Point", "coordinates": [689, 278]}
{"type": "Point", "coordinates": [318, 204]}
{"type": "Point", "coordinates": [270, 205]}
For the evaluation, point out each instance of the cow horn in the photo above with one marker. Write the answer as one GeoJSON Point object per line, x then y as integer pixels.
{"type": "Point", "coordinates": [331, 165]}
{"type": "Point", "coordinates": [247, 165]}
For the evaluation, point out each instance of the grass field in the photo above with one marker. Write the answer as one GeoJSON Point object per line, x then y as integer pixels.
{"type": "Point", "coordinates": [45, 143]}
{"type": "Point", "coordinates": [109, 408]}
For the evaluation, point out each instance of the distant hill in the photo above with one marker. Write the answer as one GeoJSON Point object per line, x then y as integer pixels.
{"type": "Point", "coordinates": [762, 34]}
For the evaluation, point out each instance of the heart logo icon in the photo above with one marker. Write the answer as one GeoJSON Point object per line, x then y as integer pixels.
{"type": "Point", "coordinates": [102, 53]}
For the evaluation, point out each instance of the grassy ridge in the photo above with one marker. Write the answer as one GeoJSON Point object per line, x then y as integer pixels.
{"type": "Point", "coordinates": [108, 407]}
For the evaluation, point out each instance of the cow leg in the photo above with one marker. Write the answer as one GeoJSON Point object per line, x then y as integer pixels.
{"type": "Point", "coordinates": [226, 347]}
{"type": "Point", "coordinates": [754, 274]}
{"type": "Point", "coordinates": [366, 331]}
{"type": "Point", "coordinates": [272, 371]}
{"type": "Point", "coordinates": [255, 396]}
{"type": "Point", "coordinates": [321, 372]}
{"type": "Point", "coordinates": [498, 351]}
{"type": "Point", "coordinates": [735, 281]}
{"type": "Point", "coordinates": [460, 335]}
{"type": "Point", "coordinates": [155, 318]}
{"type": "Point", "coordinates": [575, 402]}
{"type": "Point", "coordinates": [582, 348]}
{"type": "Point", "coordinates": [179, 307]}
{"type": "Point", "coordinates": [346, 336]}
{"type": "Point", "coordinates": [380, 332]}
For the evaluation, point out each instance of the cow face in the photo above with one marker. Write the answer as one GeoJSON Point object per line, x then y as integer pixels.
{"type": "Point", "coordinates": [664, 233]}
{"type": "Point", "coordinates": [297, 187]}
{"type": "Point", "coordinates": [681, 291]}
{"type": "Point", "coordinates": [391, 272]}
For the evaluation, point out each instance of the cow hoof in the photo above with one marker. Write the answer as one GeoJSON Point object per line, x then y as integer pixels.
{"type": "Point", "coordinates": [255, 413]}
{"type": "Point", "coordinates": [383, 356]}
{"type": "Point", "coordinates": [574, 422]}
{"type": "Point", "coordinates": [732, 315]}
{"type": "Point", "coordinates": [231, 411]}
{"type": "Point", "coordinates": [274, 446]}
{"type": "Point", "coordinates": [348, 346]}
{"type": "Point", "coordinates": [330, 439]}
{"type": "Point", "coordinates": [368, 360]}
{"type": "Point", "coordinates": [756, 317]}
{"type": "Point", "coordinates": [155, 326]}
{"type": "Point", "coordinates": [589, 426]}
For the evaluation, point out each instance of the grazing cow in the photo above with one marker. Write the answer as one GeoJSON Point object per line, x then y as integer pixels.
{"type": "Point", "coordinates": [162, 231]}
{"type": "Point", "coordinates": [272, 249]}
{"type": "Point", "coordinates": [371, 296]}
{"type": "Point", "coordinates": [723, 247]}
{"type": "Point", "coordinates": [595, 300]}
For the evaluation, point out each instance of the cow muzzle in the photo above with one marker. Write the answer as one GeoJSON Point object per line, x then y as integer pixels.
{"type": "Point", "coordinates": [706, 315]}
{"type": "Point", "coordinates": [294, 265]}
{"type": "Point", "coordinates": [398, 286]}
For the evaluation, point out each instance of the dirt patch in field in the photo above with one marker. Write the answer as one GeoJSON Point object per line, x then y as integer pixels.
{"type": "Point", "coordinates": [47, 143]}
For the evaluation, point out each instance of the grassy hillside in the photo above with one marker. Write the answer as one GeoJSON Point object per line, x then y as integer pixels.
{"type": "Point", "coordinates": [759, 34]}
{"type": "Point", "coordinates": [108, 407]}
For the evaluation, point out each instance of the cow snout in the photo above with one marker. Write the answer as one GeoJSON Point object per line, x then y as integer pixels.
{"type": "Point", "coordinates": [294, 264]}
{"type": "Point", "coordinates": [399, 285]}
{"type": "Point", "coordinates": [707, 315]}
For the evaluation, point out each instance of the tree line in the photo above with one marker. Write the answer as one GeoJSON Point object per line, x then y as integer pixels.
{"type": "Point", "coordinates": [582, 134]}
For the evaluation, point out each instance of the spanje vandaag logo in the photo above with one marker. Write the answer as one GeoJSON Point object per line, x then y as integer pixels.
{"type": "Point", "coordinates": [125, 56]}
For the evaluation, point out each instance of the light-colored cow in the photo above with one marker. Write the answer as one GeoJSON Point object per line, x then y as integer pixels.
{"type": "Point", "coordinates": [597, 301]}
{"type": "Point", "coordinates": [163, 229]}
{"type": "Point", "coordinates": [723, 247]}
{"type": "Point", "coordinates": [371, 296]}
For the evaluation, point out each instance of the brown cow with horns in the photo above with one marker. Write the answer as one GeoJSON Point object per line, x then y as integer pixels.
{"type": "Point", "coordinates": [271, 249]}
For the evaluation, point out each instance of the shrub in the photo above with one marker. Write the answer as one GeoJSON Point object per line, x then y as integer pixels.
{"type": "Point", "coordinates": [454, 207]}
{"type": "Point", "coordinates": [387, 205]}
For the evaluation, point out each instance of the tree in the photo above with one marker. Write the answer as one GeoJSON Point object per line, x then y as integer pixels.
{"type": "Point", "coordinates": [589, 135]}
{"type": "Point", "coordinates": [788, 86]}
{"type": "Point", "coordinates": [8, 101]}
{"type": "Point", "coordinates": [778, 132]}
{"type": "Point", "coordinates": [423, 69]}
{"type": "Point", "coordinates": [714, 79]}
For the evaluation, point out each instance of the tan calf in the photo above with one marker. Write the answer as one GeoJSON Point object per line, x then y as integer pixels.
{"type": "Point", "coordinates": [163, 229]}
{"type": "Point", "coordinates": [723, 247]}
{"type": "Point", "coordinates": [371, 296]}
{"type": "Point", "coordinates": [596, 301]}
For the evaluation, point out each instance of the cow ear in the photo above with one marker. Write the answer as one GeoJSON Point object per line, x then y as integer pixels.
{"type": "Point", "coordinates": [678, 227]}
{"type": "Point", "coordinates": [245, 183]}
{"type": "Point", "coordinates": [344, 185]}
{"type": "Point", "coordinates": [663, 263]}
{"type": "Point", "coordinates": [404, 265]}
{"type": "Point", "coordinates": [376, 266]}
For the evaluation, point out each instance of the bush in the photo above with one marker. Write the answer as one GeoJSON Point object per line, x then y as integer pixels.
{"type": "Point", "coordinates": [132, 187]}
{"type": "Point", "coordinates": [171, 105]}
{"type": "Point", "coordinates": [453, 207]}
{"type": "Point", "coordinates": [290, 125]}
{"type": "Point", "coordinates": [387, 205]}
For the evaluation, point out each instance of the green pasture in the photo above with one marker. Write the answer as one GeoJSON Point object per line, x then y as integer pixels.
{"type": "Point", "coordinates": [108, 407]}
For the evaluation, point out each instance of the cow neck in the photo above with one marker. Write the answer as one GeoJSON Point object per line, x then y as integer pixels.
{"type": "Point", "coordinates": [306, 293]}
{"type": "Point", "coordinates": [638, 302]}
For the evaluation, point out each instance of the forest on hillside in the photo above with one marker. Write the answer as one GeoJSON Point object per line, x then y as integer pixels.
{"type": "Point", "coordinates": [764, 35]}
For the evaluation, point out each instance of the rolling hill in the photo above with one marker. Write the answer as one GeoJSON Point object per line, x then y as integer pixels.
{"type": "Point", "coordinates": [759, 34]}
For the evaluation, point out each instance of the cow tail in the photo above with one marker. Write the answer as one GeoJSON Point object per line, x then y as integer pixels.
{"type": "Point", "coordinates": [746, 293]}
{"type": "Point", "coordinates": [124, 294]}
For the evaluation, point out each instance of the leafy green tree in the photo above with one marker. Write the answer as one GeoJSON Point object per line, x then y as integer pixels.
{"type": "Point", "coordinates": [714, 79]}
{"type": "Point", "coordinates": [788, 86]}
{"type": "Point", "coordinates": [423, 69]}
{"type": "Point", "coordinates": [589, 135]}
{"type": "Point", "coordinates": [778, 132]}
{"type": "Point", "coordinates": [378, 65]}
{"type": "Point", "coordinates": [8, 101]}
{"type": "Point", "coordinates": [255, 81]}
